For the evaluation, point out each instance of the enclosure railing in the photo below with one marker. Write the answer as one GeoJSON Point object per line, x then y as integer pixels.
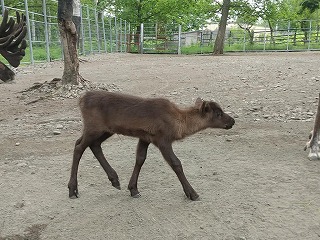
{"type": "Point", "coordinates": [100, 33]}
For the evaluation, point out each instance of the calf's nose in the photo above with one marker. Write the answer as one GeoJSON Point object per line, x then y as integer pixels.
{"type": "Point", "coordinates": [231, 123]}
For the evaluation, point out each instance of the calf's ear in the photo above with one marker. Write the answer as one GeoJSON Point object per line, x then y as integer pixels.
{"type": "Point", "coordinates": [199, 102]}
{"type": "Point", "coordinates": [203, 106]}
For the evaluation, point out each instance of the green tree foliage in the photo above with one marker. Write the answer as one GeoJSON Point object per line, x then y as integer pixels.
{"type": "Point", "coordinates": [246, 15]}
{"type": "Point", "coordinates": [191, 14]}
{"type": "Point", "coordinates": [274, 10]}
{"type": "Point", "coordinates": [244, 12]}
{"type": "Point", "coordinates": [307, 9]}
{"type": "Point", "coordinates": [289, 10]}
{"type": "Point", "coordinates": [309, 5]}
{"type": "Point", "coordinates": [34, 5]}
{"type": "Point", "coordinates": [15, 4]}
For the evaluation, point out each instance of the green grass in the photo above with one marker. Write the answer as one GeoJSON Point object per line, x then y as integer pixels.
{"type": "Point", "coordinates": [238, 47]}
{"type": "Point", "coordinates": [40, 54]}
{"type": "Point", "coordinates": [197, 49]}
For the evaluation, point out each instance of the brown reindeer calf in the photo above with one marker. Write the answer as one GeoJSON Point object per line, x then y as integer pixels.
{"type": "Point", "coordinates": [152, 120]}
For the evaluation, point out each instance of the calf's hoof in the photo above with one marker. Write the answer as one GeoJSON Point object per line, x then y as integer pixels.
{"type": "Point", "coordinates": [192, 196]}
{"type": "Point", "coordinates": [73, 194]}
{"type": "Point", "coordinates": [73, 197]}
{"type": "Point", "coordinates": [116, 184]}
{"type": "Point", "coordinates": [134, 193]}
{"type": "Point", "coordinates": [136, 196]}
{"type": "Point", "coordinates": [313, 156]}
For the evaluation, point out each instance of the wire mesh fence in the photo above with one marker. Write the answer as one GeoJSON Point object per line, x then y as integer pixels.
{"type": "Point", "coordinates": [159, 38]}
{"type": "Point", "coordinates": [100, 33]}
{"type": "Point", "coordinates": [284, 36]}
{"type": "Point", "coordinates": [97, 32]}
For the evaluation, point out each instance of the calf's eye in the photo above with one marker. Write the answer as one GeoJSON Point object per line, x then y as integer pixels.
{"type": "Point", "coordinates": [219, 113]}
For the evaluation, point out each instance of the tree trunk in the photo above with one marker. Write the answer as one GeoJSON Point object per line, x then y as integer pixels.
{"type": "Point", "coordinates": [251, 35]}
{"type": "Point", "coordinates": [271, 32]}
{"type": "Point", "coordinates": [68, 35]}
{"type": "Point", "coordinates": [219, 43]}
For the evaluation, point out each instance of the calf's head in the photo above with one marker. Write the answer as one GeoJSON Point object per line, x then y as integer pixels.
{"type": "Point", "coordinates": [214, 116]}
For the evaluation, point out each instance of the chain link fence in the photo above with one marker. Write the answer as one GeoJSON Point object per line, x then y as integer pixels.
{"type": "Point", "coordinates": [100, 33]}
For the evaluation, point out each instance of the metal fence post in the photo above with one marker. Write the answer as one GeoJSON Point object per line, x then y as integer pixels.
{"type": "Point", "coordinates": [288, 38]}
{"type": "Point", "coordinates": [97, 29]}
{"type": "Point", "coordinates": [82, 31]}
{"type": "Point", "coordinates": [201, 39]}
{"type": "Point", "coordinates": [33, 27]}
{"type": "Point", "coordinates": [128, 38]}
{"type": "Point", "coordinates": [244, 40]}
{"type": "Point", "coordinates": [104, 32]}
{"type": "Point", "coordinates": [44, 6]}
{"type": "Point", "coordinates": [309, 35]}
{"type": "Point", "coordinates": [179, 40]}
{"type": "Point", "coordinates": [110, 33]}
{"type": "Point", "coordinates": [116, 32]}
{"type": "Point", "coordinates": [120, 35]}
{"type": "Point", "coordinates": [89, 29]}
{"type": "Point", "coordinates": [141, 38]}
{"type": "Point", "coordinates": [265, 37]}
{"type": "Point", "coordinates": [2, 6]}
{"type": "Point", "coordinates": [29, 31]}
{"type": "Point", "coordinates": [125, 35]}
{"type": "Point", "coordinates": [317, 33]}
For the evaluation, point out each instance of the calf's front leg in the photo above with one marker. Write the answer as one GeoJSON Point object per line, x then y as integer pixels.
{"type": "Point", "coordinates": [175, 164]}
{"type": "Point", "coordinates": [313, 144]}
{"type": "Point", "coordinates": [141, 155]}
{"type": "Point", "coordinates": [79, 148]}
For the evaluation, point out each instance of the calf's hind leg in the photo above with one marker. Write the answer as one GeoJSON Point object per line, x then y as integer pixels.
{"type": "Point", "coordinates": [86, 140]}
{"type": "Point", "coordinates": [141, 156]}
{"type": "Point", "coordinates": [96, 149]}
{"type": "Point", "coordinates": [80, 146]}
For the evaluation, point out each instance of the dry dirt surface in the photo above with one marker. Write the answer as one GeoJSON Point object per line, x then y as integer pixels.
{"type": "Point", "coordinates": [254, 180]}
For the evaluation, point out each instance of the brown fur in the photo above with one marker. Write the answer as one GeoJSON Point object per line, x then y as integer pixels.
{"type": "Point", "coordinates": [152, 120]}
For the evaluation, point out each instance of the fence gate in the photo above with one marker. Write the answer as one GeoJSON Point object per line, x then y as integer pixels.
{"type": "Point", "coordinates": [153, 38]}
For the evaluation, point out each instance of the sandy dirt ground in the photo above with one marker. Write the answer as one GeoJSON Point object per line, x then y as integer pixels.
{"type": "Point", "coordinates": [254, 180]}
